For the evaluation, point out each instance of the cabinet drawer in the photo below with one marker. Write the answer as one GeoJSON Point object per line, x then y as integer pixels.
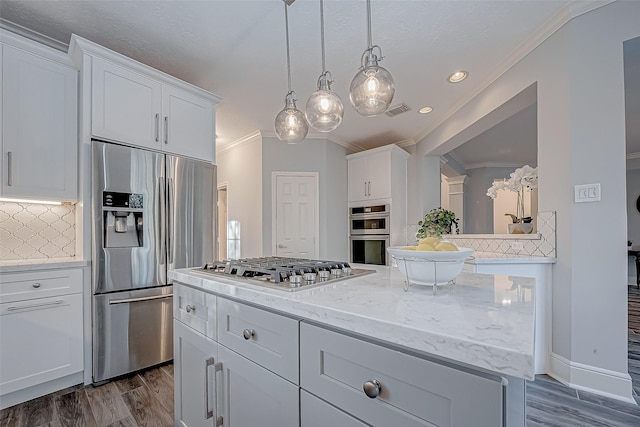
{"type": "Point", "coordinates": [195, 308]}
{"type": "Point", "coordinates": [413, 391]}
{"type": "Point", "coordinates": [268, 339]}
{"type": "Point", "coordinates": [316, 412]}
{"type": "Point", "coordinates": [41, 284]}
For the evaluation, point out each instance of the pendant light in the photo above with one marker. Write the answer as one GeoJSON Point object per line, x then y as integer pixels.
{"type": "Point", "coordinates": [290, 124]}
{"type": "Point", "coordinates": [324, 108]}
{"type": "Point", "coordinates": [372, 89]}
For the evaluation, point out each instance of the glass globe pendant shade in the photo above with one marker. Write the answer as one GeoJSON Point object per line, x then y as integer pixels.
{"type": "Point", "coordinates": [290, 124]}
{"type": "Point", "coordinates": [372, 90]}
{"type": "Point", "coordinates": [324, 109]}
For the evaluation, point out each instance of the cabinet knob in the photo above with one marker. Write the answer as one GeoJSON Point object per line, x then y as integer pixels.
{"type": "Point", "coordinates": [372, 388]}
{"type": "Point", "coordinates": [190, 308]}
{"type": "Point", "coordinates": [36, 285]}
{"type": "Point", "coordinates": [248, 334]}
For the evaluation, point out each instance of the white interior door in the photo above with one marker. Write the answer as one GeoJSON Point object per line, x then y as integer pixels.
{"type": "Point", "coordinates": [296, 225]}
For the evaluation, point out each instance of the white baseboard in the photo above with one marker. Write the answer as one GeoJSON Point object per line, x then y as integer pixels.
{"type": "Point", "coordinates": [20, 396]}
{"type": "Point", "coordinates": [616, 385]}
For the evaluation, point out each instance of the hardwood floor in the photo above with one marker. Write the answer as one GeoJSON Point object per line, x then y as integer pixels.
{"type": "Point", "coordinates": [145, 399]}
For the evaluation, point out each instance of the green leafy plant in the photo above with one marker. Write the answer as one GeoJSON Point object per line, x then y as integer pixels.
{"type": "Point", "coordinates": [436, 223]}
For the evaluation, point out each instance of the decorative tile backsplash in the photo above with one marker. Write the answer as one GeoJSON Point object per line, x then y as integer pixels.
{"type": "Point", "coordinates": [30, 230]}
{"type": "Point", "coordinates": [545, 246]}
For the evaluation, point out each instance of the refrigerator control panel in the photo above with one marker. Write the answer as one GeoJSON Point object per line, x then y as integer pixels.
{"type": "Point", "coordinates": [122, 200]}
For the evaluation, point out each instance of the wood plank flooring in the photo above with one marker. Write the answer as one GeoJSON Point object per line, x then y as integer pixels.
{"type": "Point", "coordinates": [145, 399]}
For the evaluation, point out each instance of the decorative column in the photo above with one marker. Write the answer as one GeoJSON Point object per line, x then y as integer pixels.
{"type": "Point", "coordinates": [456, 197]}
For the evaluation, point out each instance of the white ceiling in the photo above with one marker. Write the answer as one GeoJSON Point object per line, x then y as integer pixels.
{"type": "Point", "coordinates": [236, 49]}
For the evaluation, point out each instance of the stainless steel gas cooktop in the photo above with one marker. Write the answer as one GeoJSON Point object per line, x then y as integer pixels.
{"type": "Point", "coordinates": [287, 274]}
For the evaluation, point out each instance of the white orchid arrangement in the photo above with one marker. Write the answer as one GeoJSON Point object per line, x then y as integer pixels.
{"type": "Point", "coordinates": [524, 178]}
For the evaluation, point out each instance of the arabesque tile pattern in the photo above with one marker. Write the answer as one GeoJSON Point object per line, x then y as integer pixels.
{"type": "Point", "coordinates": [30, 230]}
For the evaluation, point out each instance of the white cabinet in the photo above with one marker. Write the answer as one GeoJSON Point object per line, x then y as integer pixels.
{"type": "Point", "coordinates": [194, 377]}
{"type": "Point", "coordinates": [188, 124]}
{"type": "Point", "coordinates": [376, 174]}
{"type": "Point", "coordinates": [316, 412]}
{"type": "Point", "coordinates": [384, 387]}
{"type": "Point", "coordinates": [254, 396]}
{"type": "Point", "coordinates": [134, 104]}
{"type": "Point", "coordinates": [39, 122]}
{"type": "Point", "coordinates": [236, 380]}
{"type": "Point", "coordinates": [125, 105]}
{"type": "Point", "coordinates": [41, 333]}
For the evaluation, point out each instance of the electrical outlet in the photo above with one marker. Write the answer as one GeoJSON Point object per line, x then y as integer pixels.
{"type": "Point", "coordinates": [517, 246]}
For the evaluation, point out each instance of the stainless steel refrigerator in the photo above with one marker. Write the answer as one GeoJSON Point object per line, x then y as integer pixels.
{"type": "Point", "coordinates": [151, 212]}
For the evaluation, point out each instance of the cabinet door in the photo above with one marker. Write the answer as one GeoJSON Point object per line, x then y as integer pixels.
{"type": "Point", "coordinates": [378, 175]}
{"type": "Point", "coordinates": [194, 377]}
{"type": "Point", "coordinates": [254, 396]}
{"type": "Point", "coordinates": [315, 412]}
{"type": "Point", "coordinates": [39, 127]}
{"type": "Point", "coordinates": [358, 179]}
{"type": "Point", "coordinates": [40, 340]}
{"type": "Point", "coordinates": [187, 124]}
{"type": "Point", "coordinates": [125, 105]}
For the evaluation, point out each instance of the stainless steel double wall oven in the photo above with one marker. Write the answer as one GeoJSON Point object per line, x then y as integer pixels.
{"type": "Point", "coordinates": [369, 229]}
{"type": "Point", "coordinates": [151, 212]}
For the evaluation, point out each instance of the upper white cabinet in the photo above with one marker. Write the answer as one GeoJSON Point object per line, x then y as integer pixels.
{"type": "Point", "coordinates": [377, 174]}
{"type": "Point", "coordinates": [125, 106]}
{"type": "Point", "coordinates": [137, 105]}
{"type": "Point", "coordinates": [39, 121]}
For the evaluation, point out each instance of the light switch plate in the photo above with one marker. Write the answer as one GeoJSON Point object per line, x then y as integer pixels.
{"type": "Point", "coordinates": [587, 193]}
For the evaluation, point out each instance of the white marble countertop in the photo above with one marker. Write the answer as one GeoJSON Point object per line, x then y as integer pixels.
{"type": "Point", "coordinates": [484, 321]}
{"type": "Point", "coordinates": [19, 265]}
{"type": "Point", "coordinates": [501, 258]}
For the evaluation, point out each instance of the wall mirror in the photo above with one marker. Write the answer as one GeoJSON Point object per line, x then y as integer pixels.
{"type": "Point", "coordinates": [490, 149]}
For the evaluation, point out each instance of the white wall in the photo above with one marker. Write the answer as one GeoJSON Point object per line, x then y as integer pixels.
{"type": "Point", "coordinates": [313, 155]}
{"type": "Point", "coordinates": [633, 217]}
{"type": "Point", "coordinates": [240, 168]}
{"type": "Point", "coordinates": [576, 69]}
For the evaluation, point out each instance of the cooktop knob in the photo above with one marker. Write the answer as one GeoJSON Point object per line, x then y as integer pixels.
{"type": "Point", "coordinates": [336, 272]}
{"type": "Point", "coordinates": [309, 277]}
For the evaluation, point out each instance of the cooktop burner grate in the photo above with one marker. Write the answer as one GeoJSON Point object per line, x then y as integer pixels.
{"type": "Point", "coordinates": [284, 273]}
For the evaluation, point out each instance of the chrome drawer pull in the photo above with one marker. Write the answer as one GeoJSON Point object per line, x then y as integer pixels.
{"type": "Point", "coordinates": [190, 308]}
{"type": "Point", "coordinates": [23, 307]}
{"type": "Point", "coordinates": [248, 334]}
{"type": "Point", "coordinates": [36, 285]}
{"type": "Point", "coordinates": [372, 388]}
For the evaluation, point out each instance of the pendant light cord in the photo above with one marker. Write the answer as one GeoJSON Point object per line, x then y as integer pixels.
{"type": "Point", "coordinates": [322, 34]}
{"type": "Point", "coordinates": [369, 24]}
{"type": "Point", "coordinates": [286, 20]}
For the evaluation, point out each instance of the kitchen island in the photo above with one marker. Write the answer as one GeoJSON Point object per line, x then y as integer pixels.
{"type": "Point", "coordinates": [360, 350]}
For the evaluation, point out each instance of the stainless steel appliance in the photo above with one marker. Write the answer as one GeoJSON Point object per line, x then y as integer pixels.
{"type": "Point", "coordinates": [151, 212]}
{"type": "Point", "coordinates": [369, 231]}
{"type": "Point", "coordinates": [369, 220]}
{"type": "Point", "coordinates": [287, 274]}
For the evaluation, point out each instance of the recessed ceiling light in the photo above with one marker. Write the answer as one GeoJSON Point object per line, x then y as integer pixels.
{"type": "Point", "coordinates": [458, 76]}
{"type": "Point", "coordinates": [425, 110]}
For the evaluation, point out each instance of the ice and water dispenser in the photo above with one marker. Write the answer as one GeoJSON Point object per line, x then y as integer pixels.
{"type": "Point", "coordinates": [123, 219]}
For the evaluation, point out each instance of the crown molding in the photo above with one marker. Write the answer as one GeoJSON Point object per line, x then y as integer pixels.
{"type": "Point", "coordinates": [33, 35]}
{"type": "Point", "coordinates": [556, 22]}
{"type": "Point", "coordinates": [233, 144]}
{"type": "Point", "coordinates": [493, 165]}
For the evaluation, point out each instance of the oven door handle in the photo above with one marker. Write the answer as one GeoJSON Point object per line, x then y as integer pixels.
{"type": "Point", "coordinates": [129, 300]}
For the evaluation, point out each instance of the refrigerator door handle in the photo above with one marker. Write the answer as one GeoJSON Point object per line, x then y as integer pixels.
{"type": "Point", "coordinates": [170, 220]}
{"type": "Point", "coordinates": [161, 246]}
